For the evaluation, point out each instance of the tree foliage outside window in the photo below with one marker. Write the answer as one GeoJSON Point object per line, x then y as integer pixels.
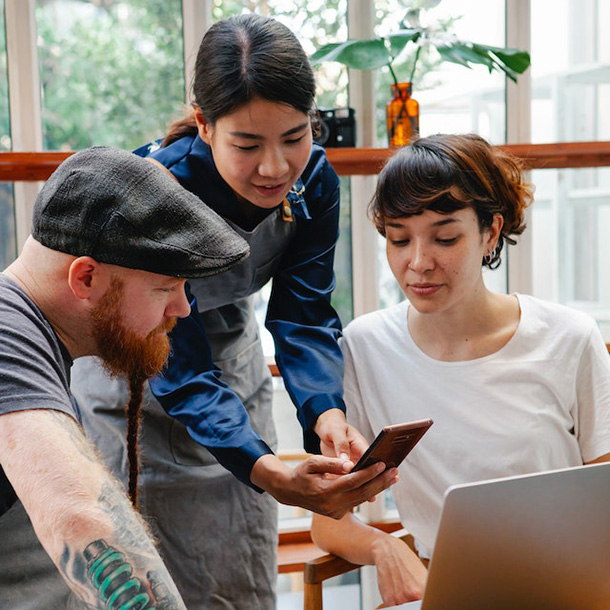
{"type": "Point", "coordinates": [112, 71]}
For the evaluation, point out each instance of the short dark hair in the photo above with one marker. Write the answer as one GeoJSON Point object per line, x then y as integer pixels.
{"type": "Point", "coordinates": [448, 172]}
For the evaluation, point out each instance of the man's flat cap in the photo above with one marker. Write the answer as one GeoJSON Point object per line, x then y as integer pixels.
{"type": "Point", "coordinates": [118, 208]}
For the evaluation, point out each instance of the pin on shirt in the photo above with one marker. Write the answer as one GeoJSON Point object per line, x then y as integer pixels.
{"type": "Point", "coordinates": [286, 211]}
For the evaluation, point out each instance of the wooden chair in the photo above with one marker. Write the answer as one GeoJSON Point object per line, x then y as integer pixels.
{"type": "Point", "coordinates": [322, 568]}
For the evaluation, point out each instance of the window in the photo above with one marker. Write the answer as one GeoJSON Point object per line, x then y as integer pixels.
{"type": "Point", "coordinates": [570, 94]}
{"type": "Point", "coordinates": [8, 243]}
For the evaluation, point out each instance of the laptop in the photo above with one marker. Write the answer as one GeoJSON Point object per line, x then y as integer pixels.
{"type": "Point", "coordinates": [531, 542]}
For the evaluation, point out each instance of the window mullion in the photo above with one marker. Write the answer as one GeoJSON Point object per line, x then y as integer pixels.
{"type": "Point", "coordinates": [24, 100]}
{"type": "Point", "coordinates": [196, 19]}
{"type": "Point", "coordinates": [518, 130]}
{"type": "Point", "coordinates": [361, 23]}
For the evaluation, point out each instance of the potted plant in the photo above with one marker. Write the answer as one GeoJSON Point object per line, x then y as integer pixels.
{"type": "Point", "coordinates": [402, 112]}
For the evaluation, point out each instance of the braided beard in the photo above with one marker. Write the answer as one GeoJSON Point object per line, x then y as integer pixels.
{"type": "Point", "coordinates": [124, 353]}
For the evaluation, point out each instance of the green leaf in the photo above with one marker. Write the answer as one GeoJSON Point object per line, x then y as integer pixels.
{"type": "Point", "coordinates": [462, 54]}
{"type": "Point", "coordinates": [510, 61]}
{"type": "Point", "coordinates": [358, 54]}
{"type": "Point", "coordinates": [516, 60]}
{"type": "Point", "coordinates": [326, 52]}
{"type": "Point", "coordinates": [401, 39]}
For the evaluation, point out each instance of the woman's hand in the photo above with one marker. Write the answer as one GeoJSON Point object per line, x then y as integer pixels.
{"type": "Point", "coordinates": [337, 437]}
{"type": "Point", "coordinates": [400, 574]}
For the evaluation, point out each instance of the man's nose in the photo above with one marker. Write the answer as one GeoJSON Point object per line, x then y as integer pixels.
{"type": "Point", "coordinates": [180, 306]}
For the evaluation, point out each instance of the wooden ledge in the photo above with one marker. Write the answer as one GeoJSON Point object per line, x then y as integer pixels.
{"type": "Point", "coordinates": [32, 166]}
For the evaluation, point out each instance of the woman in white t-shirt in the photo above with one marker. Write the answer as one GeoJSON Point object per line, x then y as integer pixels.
{"type": "Point", "coordinates": [513, 384]}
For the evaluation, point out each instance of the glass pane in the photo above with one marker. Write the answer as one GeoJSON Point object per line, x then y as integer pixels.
{"type": "Point", "coordinates": [342, 298]}
{"type": "Point", "coordinates": [571, 252]}
{"type": "Point", "coordinates": [570, 74]}
{"type": "Point", "coordinates": [8, 242]}
{"type": "Point", "coordinates": [570, 97]}
{"type": "Point", "coordinates": [112, 73]}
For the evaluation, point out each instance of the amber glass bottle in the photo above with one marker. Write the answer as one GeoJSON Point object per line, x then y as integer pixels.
{"type": "Point", "coordinates": [402, 116]}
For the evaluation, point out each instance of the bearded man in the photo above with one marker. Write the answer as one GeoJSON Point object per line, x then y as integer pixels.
{"type": "Point", "coordinates": [113, 238]}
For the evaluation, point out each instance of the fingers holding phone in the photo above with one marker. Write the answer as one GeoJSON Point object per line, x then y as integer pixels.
{"type": "Point", "coordinates": [337, 437]}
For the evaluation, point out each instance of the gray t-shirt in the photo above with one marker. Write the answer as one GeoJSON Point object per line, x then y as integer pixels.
{"type": "Point", "coordinates": [34, 365]}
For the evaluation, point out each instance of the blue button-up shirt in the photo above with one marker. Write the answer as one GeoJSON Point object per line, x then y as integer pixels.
{"type": "Point", "coordinates": [300, 317]}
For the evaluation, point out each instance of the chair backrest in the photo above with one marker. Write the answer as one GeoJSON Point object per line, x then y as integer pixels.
{"type": "Point", "coordinates": [322, 568]}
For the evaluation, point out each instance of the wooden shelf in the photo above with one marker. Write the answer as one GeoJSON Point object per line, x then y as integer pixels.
{"type": "Point", "coordinates": [32, 166]}
{"type": "Point", "coordinates": [363, 161]}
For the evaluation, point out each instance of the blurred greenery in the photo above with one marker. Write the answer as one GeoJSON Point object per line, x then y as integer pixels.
{"type": "Point", "coordinates": [111, 70]}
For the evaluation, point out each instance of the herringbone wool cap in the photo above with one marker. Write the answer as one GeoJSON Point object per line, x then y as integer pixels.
{"type": "Point", "coordinates": [118, 208]}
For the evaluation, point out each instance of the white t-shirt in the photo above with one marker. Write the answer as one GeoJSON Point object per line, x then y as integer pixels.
{"type": "Point", "coordinates": [541, 402]}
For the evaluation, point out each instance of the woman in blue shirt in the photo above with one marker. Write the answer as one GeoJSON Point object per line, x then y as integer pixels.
{"type": "Point", "coordinates": [246, 150]}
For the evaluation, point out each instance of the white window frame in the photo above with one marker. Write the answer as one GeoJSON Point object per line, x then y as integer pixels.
{"type": "Point", "coordinates": [24, 101]}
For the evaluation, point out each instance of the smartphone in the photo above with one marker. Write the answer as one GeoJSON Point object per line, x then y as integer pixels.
{"type": "Point", "coordinates": [393, 444]}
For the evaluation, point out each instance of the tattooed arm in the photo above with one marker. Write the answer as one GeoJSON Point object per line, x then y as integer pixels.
{"type": "Point", "coordinates": [81, 515]}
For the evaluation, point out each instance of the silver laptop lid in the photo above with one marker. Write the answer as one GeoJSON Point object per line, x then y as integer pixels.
{"type": "Point", "coordinates": [539, 541]}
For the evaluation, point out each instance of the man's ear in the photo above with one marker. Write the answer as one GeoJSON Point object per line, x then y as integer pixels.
{"type": "Point", "coordinates": [203, 127]}
{"type": "Point", "coordinates": [88, 279]}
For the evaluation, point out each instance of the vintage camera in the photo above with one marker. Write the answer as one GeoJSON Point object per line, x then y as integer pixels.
{"type": "Point", "coordinates": [337, 127]}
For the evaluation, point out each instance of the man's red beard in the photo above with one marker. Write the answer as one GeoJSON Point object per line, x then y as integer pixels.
{"type": "Point", "coordinates": [121, 350]}
{"type": "Point", "coordinates": [124, 353]}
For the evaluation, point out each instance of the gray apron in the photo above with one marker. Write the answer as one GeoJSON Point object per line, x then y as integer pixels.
{"type": "Point", "coordinates": [217, 536]}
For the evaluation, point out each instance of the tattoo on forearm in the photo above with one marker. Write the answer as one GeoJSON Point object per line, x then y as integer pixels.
{"type": "Point", "coordinates": [124, 573]}
{"type": "Point", "coordinates": [130, 530]}
{"type": "Point", "coordinates": [112, 576]}
{"type": "Point", "coordinates": [114, 583]}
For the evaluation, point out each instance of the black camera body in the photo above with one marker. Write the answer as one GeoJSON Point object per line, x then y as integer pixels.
{"type": "Point", "coordinates": [337, 128]}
